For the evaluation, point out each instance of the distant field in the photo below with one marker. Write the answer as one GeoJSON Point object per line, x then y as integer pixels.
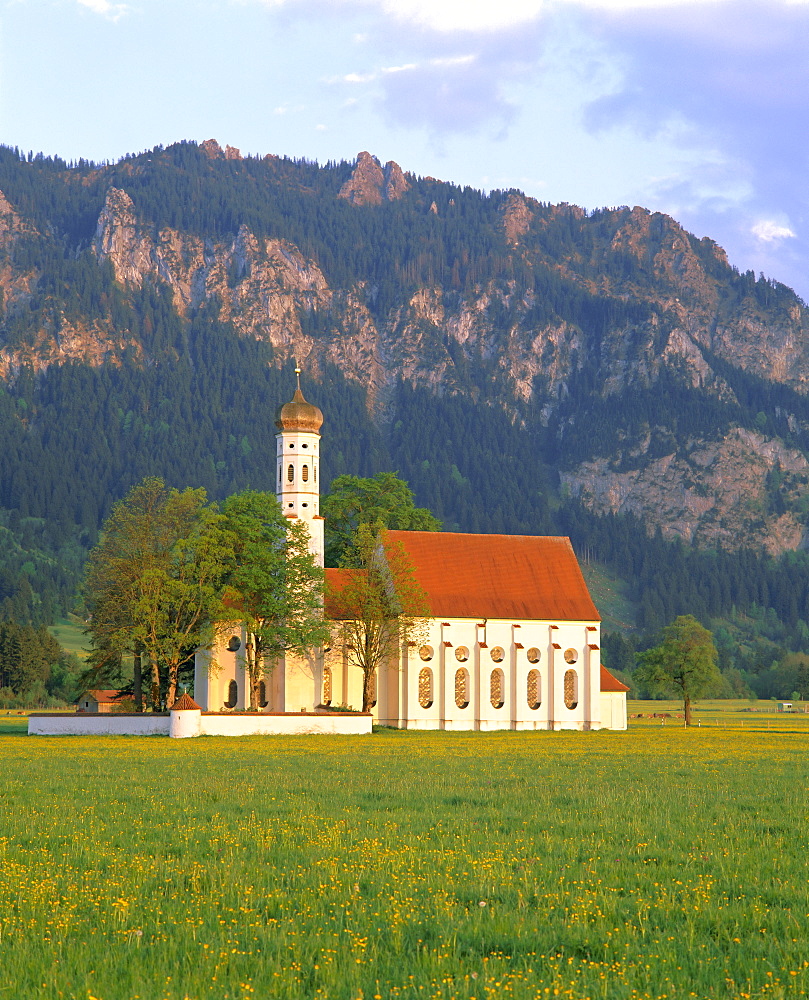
{"type": "Point", "coordinates": [609, 593]}
{"type": "Point", "coordinates": [69, 633]}
{"type": "Point", "coordinates": [653, 863]}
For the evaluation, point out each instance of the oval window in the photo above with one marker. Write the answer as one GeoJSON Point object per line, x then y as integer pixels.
{"type": "Point", "coordinates": [496, 687]}
{"type": "Point", "coordinates": [234, 643]}
{"type": "Point", "coordinates": [534, 689]}
{"type": "Point", "coordinates": [426, 652]}
{"type": "Point", "coordinates": [425, 687]}
{"type": "Point", "coordinates": [571, 689]}
{"type": "Point", "coordinates": [533, 655]}
{"type": "Point", "coordinates": [497, 654]}
{"type": "Point", "coordinates": [462, 654]}
{"type": "Point", "coordinates": [571, 656]}
{"type": "Point", "coordinates": [305, 473]}
{"type": "Point", "coordinates": [462, 687]}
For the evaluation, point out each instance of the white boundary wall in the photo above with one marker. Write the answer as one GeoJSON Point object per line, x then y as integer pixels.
{"type": "Point", "coordinates": [106, 724]}
{"type": "Point", "coordinates": [192, 723]}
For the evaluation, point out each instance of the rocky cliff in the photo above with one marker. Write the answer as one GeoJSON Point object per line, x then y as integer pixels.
{"type": "Point", "coordinates": [567, 310]}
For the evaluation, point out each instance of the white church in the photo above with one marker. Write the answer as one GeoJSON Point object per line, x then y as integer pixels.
{"type": "Point", "coordinates": [513, 641]}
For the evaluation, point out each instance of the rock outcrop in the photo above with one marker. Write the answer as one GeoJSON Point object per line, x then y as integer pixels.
{"type": "Point", "coordinates": [371, 184]}
{"type": "Point", "coordinates": [713, 492]}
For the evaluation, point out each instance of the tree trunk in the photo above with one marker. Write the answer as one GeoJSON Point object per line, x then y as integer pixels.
{"type": "Point", "coordinates": [367, 680]}
{"type": "Point", "coordinates": [137, 682]}
{"type": "Point", "coordinates": [155, 669]}
{"type": "Point", "coordinates": [171, 694]}
{"type": "Point", "coordinates": [687, 706]}
{"type": "Point", "coordinates": [252, 673]}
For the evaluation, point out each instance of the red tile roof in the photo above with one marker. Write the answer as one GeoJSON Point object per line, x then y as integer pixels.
{"type": "Point", "coordinates": [185, 703]}
{"type": "Point", "coordinates": [518, 577]}
{"type": "Point", "coordinates": [105, 697]}
{"type": "Point", "coordinates": [610, 683]}
{"type": "Point", "coordinates": [336, 579]}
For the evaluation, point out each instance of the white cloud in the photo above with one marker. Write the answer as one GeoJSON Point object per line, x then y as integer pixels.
{"type": "Point", "coordinates": [453, 61]}
{"type": "Point", "coordinates": [771, 232]}
{"type": "Point", "coordinates": [484, 15]}
{"type": "Point", "coordinates": [466, 15]}
{"type": "Point", "coordinates": [105, 8]}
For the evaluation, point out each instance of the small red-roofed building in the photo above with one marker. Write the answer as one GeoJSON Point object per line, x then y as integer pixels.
{"type": "Point", "coordinates": [100, 701]}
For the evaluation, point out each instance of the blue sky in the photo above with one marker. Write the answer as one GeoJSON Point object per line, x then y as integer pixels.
{"type": "Point", "coordinates": [697, 108]}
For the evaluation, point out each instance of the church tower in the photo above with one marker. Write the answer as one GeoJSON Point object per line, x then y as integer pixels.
{"type": "Point", "coordinates": [297, 476]}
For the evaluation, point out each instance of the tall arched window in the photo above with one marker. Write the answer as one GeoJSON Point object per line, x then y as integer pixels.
{"type": "Point", "coordinates": [497, 685]}
{"type": "Point", "coordinates": [290, 472]}
{"type": "Point", "coordinates": [373, 689]}
{"type": "Point", "coordinates": [262, 694]}
{"type": "Point", "coordinates": [305, 473]}
{"type": "Point", "coordinates": [462, 688]}
{"type": "Point", "coordinates": [571, 689]}
{"type": "Point", "coordinates": [534, 689]}
{"type": "Point", "coordinates": [233, 695]}
{"type": "Point", "coordinates": [326, 686]}
{"type": "Point", "coordinates": [425, 687]}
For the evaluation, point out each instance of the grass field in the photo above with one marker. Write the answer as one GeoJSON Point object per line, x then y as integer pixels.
{"type": "Point", "coordinates": [69, 633]}
{"type": "Point", "coordinates": [654, 863]}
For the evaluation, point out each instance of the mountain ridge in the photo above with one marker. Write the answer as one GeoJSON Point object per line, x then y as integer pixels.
{"type": "Point", "coordinates": [628, 351]}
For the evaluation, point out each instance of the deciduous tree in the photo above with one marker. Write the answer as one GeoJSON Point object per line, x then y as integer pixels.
{"type": "Point", "coordinates": [377, 607]}
{"type": "Point", "coordinates": [684, 663]}
{"type": "Point", "coordinates": [156, 579]}
{"type": "Point", "coordinates": [382, 500]}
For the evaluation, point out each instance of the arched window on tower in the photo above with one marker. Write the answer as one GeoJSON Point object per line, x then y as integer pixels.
{"type": "Point", "coordinates": [305, 473]}
{"type": "Point", "coordinates": [290, 473]}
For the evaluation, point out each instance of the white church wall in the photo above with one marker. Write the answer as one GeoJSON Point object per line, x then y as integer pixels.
{"type": "Point", "coordinates": [524, 647]}
{"type": "Point", "coordinates": [613, 710]}
{"type": "Point", "coordinates": [215, 668]}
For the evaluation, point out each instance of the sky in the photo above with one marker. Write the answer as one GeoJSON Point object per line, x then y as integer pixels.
{"type": "Point", "coordinates": [696, 108]}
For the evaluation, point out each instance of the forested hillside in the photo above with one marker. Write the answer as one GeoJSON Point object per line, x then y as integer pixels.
{"type": "Point", "coordinates": [526, 367]}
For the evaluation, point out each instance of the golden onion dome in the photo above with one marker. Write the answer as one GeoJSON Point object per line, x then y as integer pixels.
{"type": "Point", "coordinates": [297, 414]}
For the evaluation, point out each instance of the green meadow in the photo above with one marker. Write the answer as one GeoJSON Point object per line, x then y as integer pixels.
{"type": "Point", "coordinates": [656, 863]}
